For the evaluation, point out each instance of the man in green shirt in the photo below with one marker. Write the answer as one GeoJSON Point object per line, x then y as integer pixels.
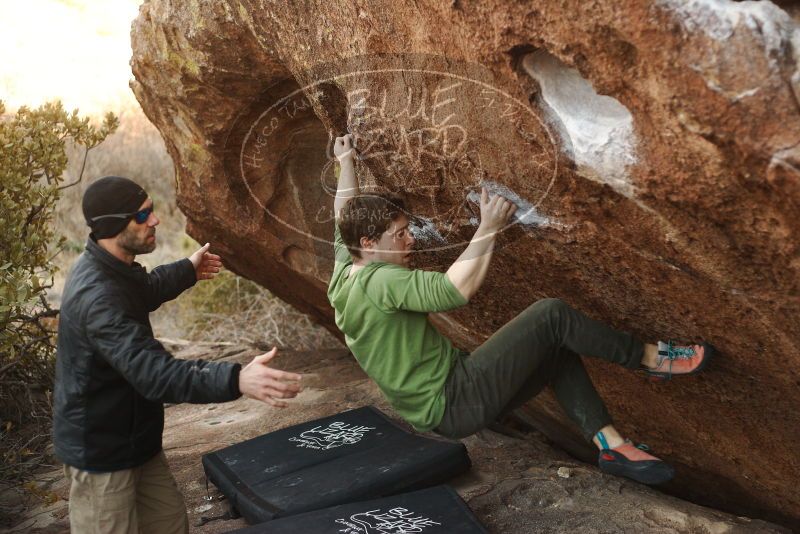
{"type": "Point", "coordinates": [382, 308]}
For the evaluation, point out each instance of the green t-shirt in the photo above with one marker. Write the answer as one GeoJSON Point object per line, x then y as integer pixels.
{"type": "Point", "coordinates": [382, 310]}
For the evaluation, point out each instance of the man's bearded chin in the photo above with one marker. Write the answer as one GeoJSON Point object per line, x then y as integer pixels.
{"type": "Point", "coordinates": [130, 243]}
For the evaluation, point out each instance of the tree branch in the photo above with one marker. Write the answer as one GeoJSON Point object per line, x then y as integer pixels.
{"type": "Point", "coordinates": [80, 176]}
{"type": "Point", "coordinates": [8, 366]}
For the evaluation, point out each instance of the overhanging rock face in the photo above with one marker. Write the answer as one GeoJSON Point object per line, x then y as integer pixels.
{"type": "Point", "coordinates": [653, 148]}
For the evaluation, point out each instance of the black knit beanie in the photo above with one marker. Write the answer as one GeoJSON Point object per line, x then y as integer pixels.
{"type": "Point", "coordinates": [111, 194]}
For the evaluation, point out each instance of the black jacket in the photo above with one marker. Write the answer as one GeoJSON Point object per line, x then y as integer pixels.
{"type": "Point", "coordinates": [112, 375]}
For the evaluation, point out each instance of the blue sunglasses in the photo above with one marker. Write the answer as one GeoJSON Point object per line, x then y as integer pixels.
{"type": "Point", "coordinates": [140, 216]}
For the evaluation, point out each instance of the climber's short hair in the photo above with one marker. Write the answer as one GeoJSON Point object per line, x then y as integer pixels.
{"type": "Point", "coordinates": [368, 215]}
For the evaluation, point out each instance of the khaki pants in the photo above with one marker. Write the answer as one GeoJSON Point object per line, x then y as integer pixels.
{"type": "Point", "coordinates": [144, 499]}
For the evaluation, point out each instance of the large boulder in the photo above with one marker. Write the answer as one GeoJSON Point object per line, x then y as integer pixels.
{"type": "Point", "coordinates": [653, 148]}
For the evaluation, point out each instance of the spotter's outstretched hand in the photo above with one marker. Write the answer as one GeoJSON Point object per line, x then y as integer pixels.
{"type": "Point", "coordinates": [257, 380]}
{"type": "Point", "coordinates": [206, 264]}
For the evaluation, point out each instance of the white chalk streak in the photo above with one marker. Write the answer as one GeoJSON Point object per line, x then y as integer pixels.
{"type": "Point", "coordinates": [526, 214]}
{"type": "Point", "coordinates": [719, 19]}
{"type": "Point", "coordinates": [425, 231]}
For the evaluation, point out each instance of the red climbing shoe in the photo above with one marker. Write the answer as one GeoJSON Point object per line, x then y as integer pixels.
{"type": "Point", "coordinates": [634, 462]}
{"type": "Point", "coordinates": [680, 360]}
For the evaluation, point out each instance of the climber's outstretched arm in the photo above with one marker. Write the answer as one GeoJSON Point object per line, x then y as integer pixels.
{"type": "Point", "coordinates": [469, 270]}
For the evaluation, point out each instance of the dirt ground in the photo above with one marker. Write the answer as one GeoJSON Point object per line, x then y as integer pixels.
{"type": "Point", "coordinates": [518, 483]}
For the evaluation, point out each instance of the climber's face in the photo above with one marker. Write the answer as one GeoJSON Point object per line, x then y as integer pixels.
{"type": "Point", "coordinates": [395, 245]}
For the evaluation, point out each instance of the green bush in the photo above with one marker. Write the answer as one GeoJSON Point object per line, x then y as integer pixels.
{"type": "Point", "coordinates": [33, 156]}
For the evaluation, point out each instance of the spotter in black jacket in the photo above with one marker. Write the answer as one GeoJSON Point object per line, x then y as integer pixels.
{"type": "Point", "coordinates": [112, 375]}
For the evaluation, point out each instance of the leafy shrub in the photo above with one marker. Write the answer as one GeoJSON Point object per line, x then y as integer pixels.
{"type": "Point", "coordinates": [32, 161]}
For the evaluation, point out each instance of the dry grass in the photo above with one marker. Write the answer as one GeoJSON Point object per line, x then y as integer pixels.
{"type": "Point", "coordinates": [230, 308]}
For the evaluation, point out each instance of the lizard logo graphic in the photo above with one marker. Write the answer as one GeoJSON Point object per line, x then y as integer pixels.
{"type": "Point", "coordinates": [394, 521]}
{"type": "Point", "coordinates": [334, 435]}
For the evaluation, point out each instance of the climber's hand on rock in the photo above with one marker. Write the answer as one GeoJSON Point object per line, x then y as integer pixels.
{"type": "Point", "coordinates": [343, 147]}
{"type": "Point", "coordinates": [496, 211]}
{"type": "Point", "coordinates": [258, 380]}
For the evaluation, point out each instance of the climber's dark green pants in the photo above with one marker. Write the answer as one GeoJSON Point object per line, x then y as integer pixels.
{"type": "Point", "coordinates": [539, 347]}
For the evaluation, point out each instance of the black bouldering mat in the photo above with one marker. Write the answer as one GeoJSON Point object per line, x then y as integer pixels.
{"type": "Point", "coordinates": [353, 456]}
{"type": "Point", "coordinates": [436, 510]}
